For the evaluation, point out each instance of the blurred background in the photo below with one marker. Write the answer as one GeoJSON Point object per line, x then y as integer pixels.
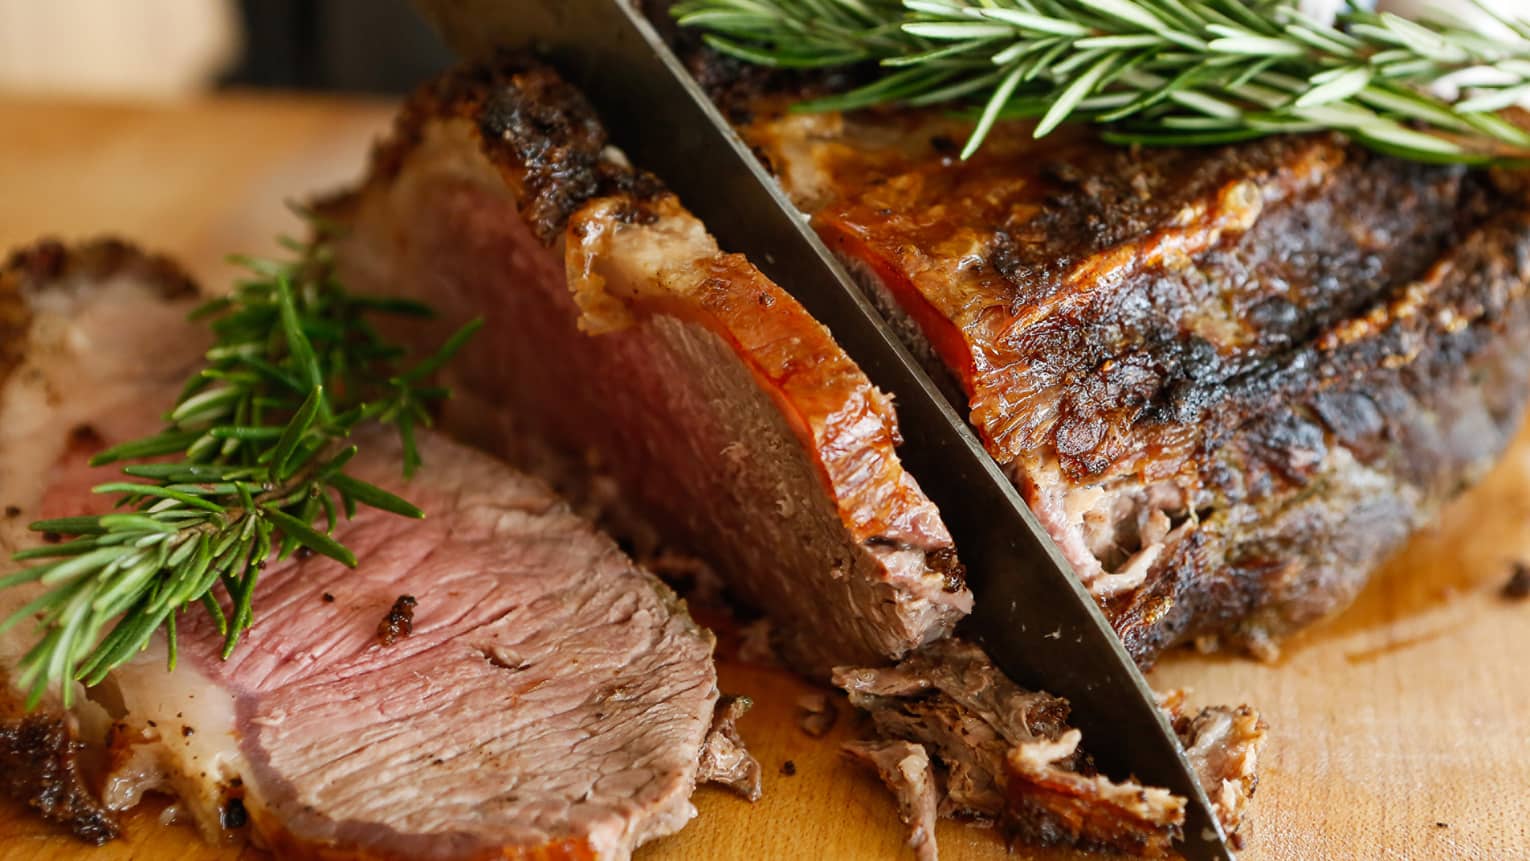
{"type": "Point", "coordinates": [172, 48]}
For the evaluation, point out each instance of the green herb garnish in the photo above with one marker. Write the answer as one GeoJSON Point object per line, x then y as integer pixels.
{"type": "Point", "coordinates": [1171, 72]}
{"type": "Point", "coordinates": [252, 456]}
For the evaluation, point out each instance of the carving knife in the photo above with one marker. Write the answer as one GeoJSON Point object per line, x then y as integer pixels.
{"type": "Point", "coordinates": [1032, 615]}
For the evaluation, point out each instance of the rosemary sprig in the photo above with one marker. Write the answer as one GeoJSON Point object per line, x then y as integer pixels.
{"type": "Point", "coordinates": [252, 455]}
{"type": "Point", "coordinates": [1172, 72]}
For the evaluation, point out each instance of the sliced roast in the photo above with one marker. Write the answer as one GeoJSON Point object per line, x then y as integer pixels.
{"type": "Point", "coordinates": [619, 334]}
{"type": "Point", "coordinates": [550, 700]}
{"type": "Point", "coordinates": [1229, 381]}
{"type": "Point", "coordinates": [74, 326]}
{"type": "Point", "coordinates": [551, 697]}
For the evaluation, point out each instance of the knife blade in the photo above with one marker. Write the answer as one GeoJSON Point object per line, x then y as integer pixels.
{"type": "Point", "coordinates": [1032, 614]}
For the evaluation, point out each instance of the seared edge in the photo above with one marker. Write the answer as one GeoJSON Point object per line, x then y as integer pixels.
{"type": "Point", "coordinates": [52, 263]}
{"type": "Point", "coordinates": [848, 425]}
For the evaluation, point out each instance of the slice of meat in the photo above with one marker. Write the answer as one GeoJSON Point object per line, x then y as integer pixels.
{"type": "Point", "coordinates": [552, 698]}
{"type": "Point", "coordinates": [905, 768]}
{"type": "Point", "coordinates": [1006, 755]}
{"type": "Point", "coordinates": [617, 331]}
{"type": "Point", "coordinates": [71, 361]}
{"type": "Point", "coordinates": [550, 701]}
{"type": "Point", "coordinates": [1229, 381]}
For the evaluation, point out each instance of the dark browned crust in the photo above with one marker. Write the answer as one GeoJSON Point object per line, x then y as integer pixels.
{"type": "Point", "coordinates": [1312, 345]}
{"type": "Point", "coordinates": [50, 261]}
{"type": "Point", "coordinates": [530, 121]}
{"type": "Point", "coordinates": [1423, 391]}
{"type": "Point", "coordinates": [39, 766]}
{"type": "Point", "coordinates": [399, 623]}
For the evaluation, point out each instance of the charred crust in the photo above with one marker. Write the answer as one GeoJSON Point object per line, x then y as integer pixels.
{"type": "Point", "coordinates": [399, 622]}
{"type": "Point", "coordinates": [530, 122]}
{"type": "Point", "coordinates": [1234, 580]}
{"type": "Point", "coordinates": [1307, 340]}
{"type": "Point", "coordinates": [952, 572]}
{"type": "Point", "coordinates": [1051, 816]}
{"type": "Point", "coordinates": [39, 767]}
{"type": "Point", "coordinates": [50, 262]}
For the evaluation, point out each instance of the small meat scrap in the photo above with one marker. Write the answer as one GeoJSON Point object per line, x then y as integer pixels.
{"type": "Point", "coordinates": [724, 759]}
{"type": "Point", "coordinates": [1518, 587]}
{"type": "Point", "coordinates": [905, 768]}
{"type": "Point", "coordinates": [399, 622]}
{"type": "Point", "coordinates": [1052, 801]}
{"type": "Point", "coordinates": [1223, 745]}
{"type": "Point", "coordinates": [1007, 755]}
{"type": "Point", "coordinates": [816, 714]}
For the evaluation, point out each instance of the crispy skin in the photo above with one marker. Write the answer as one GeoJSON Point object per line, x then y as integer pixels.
{"type": "Point", "coordinates": [1230, 381]}
{"type": "Point", "coordinates": [730, 416]}
{"type": "Point", "coordinates": [530, 123]}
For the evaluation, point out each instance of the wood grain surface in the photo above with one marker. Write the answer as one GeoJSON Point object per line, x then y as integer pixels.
{"type": "Point", "coordinates": [1397, 728]}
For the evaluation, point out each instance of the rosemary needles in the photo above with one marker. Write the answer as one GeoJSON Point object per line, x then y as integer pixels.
{"type": "Point", "coordinates": [1172, 72]}
{"type": "Point", "coordinates": [251, 460]}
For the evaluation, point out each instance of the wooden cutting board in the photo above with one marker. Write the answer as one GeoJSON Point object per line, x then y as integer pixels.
{"type": "Point", "coordinates": [1397, 729]}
